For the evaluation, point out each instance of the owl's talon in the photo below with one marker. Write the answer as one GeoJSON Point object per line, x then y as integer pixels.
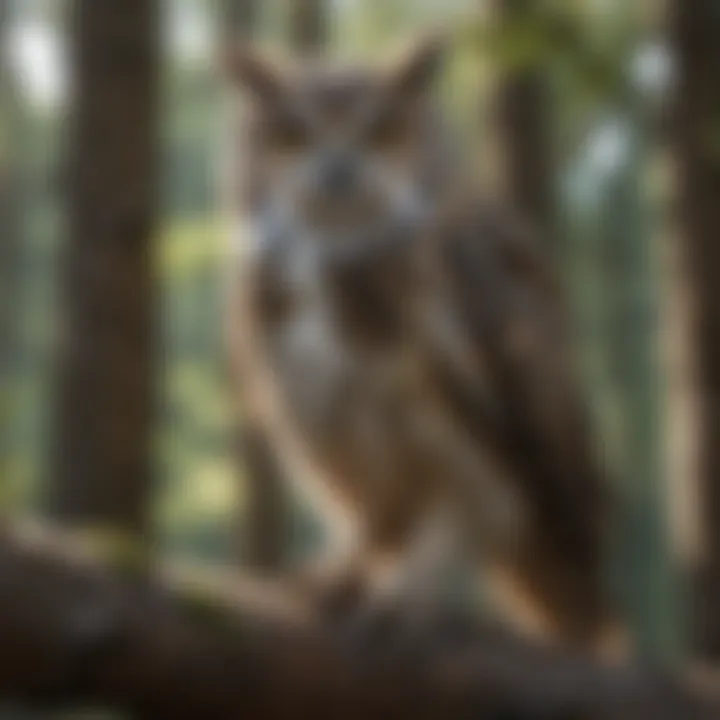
{"type": "Point", "coordinates": [387, 629]}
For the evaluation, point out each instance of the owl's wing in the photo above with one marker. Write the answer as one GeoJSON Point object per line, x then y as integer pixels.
{"type": "Point", "coordinates": [529, 405]}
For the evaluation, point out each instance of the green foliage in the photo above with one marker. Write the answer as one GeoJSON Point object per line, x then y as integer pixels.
{"type": "Point", "coordinates": [584, 48]}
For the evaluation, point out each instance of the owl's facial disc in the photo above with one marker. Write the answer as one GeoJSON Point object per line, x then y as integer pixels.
{"type": "Point", "coordinates": [342, 150]}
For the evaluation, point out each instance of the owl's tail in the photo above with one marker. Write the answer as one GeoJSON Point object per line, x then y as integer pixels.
{"type": "Point", "coordinates": [554, 596]}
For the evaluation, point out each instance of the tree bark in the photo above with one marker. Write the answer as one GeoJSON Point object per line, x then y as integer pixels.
{"type": "Point", "coordinates": [262, 528]}
{"type": "Point", "coordinates": [696, 27]}
{"type": "Point", "coordinates": [308, 25]}
{"type": "Point", "coordinates": [106, 369]}
{"type": "Point", "coordinates": [10, 228]}
{"type": "Point", "coordinates": [524, 129]}
{"type": "Point", "coordinates": [629, 336]}
{"type": "Point", "coordinates": [73, 633]}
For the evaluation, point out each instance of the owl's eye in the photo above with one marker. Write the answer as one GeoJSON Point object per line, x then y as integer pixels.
{"type": "Point", "coordinates": [389, 131]}
{"type": "Point", "coordinates": [289, 134]}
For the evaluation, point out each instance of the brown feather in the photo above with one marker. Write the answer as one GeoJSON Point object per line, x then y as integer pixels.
{"type": "Point", "coordinates": [535, 417]}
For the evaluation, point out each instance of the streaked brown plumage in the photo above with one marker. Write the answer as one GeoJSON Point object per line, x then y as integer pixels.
{"type": "Point", "coordinates": [410, 347]}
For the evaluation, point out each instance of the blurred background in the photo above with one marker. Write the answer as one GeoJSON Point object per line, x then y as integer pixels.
{"type": "Point", "coordinates": [599, 119]}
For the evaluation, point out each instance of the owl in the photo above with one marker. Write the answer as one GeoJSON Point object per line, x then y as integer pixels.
{"type": "Point", "coordinates": [405, 344]}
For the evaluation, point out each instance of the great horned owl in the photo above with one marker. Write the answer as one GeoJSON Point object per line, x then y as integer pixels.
{"type": "Point", "coordinates": [406, 341]}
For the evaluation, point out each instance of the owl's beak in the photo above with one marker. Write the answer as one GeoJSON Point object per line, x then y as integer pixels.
{"type": "Point", "coordinates": [338, 175]}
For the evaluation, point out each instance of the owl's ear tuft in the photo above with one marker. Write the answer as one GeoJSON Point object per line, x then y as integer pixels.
{"type": "Point", "coordinates": [419, 67]}
{"type": "Point", "coordinates": [248, 69]}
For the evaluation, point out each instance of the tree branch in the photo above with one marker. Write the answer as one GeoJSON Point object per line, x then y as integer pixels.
{"type": "Point", "coordinates": [180, 645]}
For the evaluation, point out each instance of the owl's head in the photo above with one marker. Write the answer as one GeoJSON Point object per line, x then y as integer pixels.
{"type": "Point", "coordinates": [342, 149]}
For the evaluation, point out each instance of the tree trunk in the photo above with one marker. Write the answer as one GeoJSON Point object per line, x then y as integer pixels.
{"type": "Point", "coordinates": [697, 32]}
{"type": "Point", "coordinates": [524, 132]}
{"type": "Point", "coordinates": [106, 370]}
{"type": "Point", "coordinates": [262, 531]}
{"type": "Point", "coordinates": [308, 25]}
{"type": "Point", "coordinates": [10, 231]}
{"type": "Point", "coordinates": [630, 346]}
{"type": "Point", "coordinates": [7, 207]}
